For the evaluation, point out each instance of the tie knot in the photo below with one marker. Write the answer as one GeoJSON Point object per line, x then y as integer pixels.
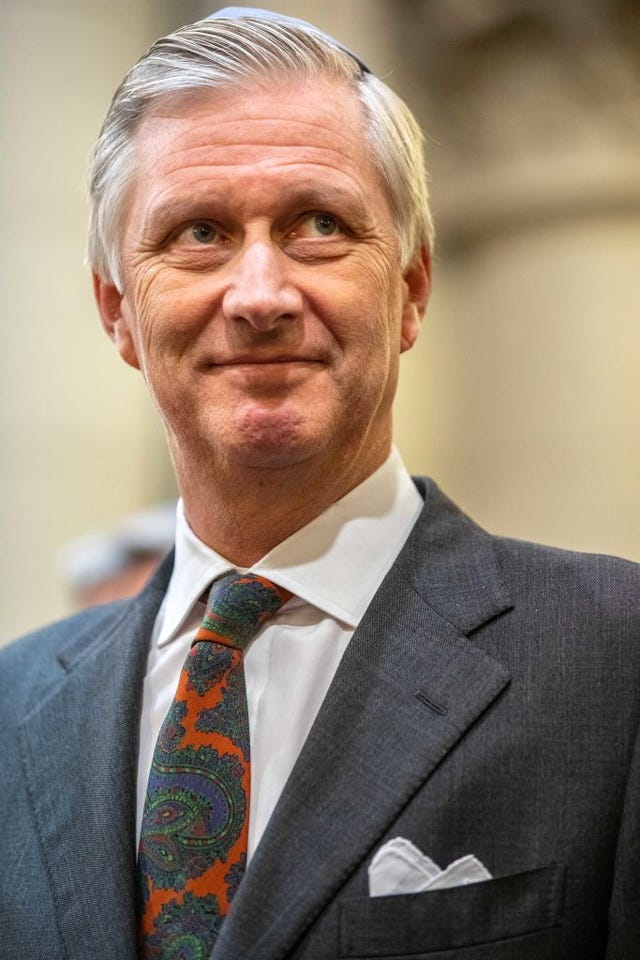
{"type": "Point", "coordinates": [237, 606]}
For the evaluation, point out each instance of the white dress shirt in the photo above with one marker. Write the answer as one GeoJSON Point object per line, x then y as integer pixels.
{"type": "Point", "coordinates": [333, 566]}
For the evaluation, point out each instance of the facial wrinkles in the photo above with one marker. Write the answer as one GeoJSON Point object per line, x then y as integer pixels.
{"type": "Point", "coordinates": [192, 158]}
{"type": "Point", "coordinates": [191, 336]}
{"type": "Point", "coordinates": [177, 150]}
{"type": "Point", "coordinates": [234, 192]}
{"type": "Point", "coordinates": [152, 292]}
{"type": "Point", "coordinates": [243, 204]}
{"type": "Point", "coordinates": [146, 266]}
{"type": "Point", "coordinates": [169, 136]}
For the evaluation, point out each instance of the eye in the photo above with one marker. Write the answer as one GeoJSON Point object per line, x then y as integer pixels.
{"type": "Point", "coordinates": [325, 224]}
{"type": "Point", "coordinates": [203, 232]}
{"type": "Point", "coordinates": [315, 225]}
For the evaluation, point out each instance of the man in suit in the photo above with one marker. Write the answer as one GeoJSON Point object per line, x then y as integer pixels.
{"type": "Point", "coordinates": [260, 244]}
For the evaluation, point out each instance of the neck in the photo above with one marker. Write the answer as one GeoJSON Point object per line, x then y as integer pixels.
{"type": "Point", "coordinates": [243, 512]}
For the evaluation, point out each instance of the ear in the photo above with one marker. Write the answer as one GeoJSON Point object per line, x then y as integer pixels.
{"type": "Point", "coordinates": [417, 280]}
{"type": "Point", "coordinates": [115, 316]}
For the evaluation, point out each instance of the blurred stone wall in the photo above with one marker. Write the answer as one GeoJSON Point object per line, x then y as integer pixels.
{"type": "Point", "coordinates": [529, 376]}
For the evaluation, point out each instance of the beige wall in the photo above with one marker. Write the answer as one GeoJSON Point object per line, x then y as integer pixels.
{"type": "Point", "coordinates": [78, 436]}
{"type": "Point", "coordinates": [529, 367]}
{"type": "Point", "coordinates": [522, 399]}
{"type": "Point", "coordinates": [527, 388]}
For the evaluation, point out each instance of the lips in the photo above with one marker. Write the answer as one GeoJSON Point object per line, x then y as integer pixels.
{"type": "Point", "coordinates": [245, 361]}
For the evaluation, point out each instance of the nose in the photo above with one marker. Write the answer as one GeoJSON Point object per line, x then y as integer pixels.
{"type": "Point", "coordinates": [259, 291]}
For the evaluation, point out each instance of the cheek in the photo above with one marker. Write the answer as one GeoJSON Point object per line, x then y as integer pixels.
{"type": "Point", "coordinates": [360, 303]}
{"type": "Point", "coordinates": [372, 328]}
{"type": "Point", "coordinates": [166, 312]}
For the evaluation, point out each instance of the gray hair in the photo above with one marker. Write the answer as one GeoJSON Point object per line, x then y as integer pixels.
{"type": "Point", "coordinates": [220, 54]}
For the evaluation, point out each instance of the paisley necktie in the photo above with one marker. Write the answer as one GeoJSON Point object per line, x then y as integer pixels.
{"type": "Point", "coordinates": [193, 842]}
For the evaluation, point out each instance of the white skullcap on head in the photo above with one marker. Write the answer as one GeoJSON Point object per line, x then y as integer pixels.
{"type": "Point", "coordinates": [256, 13]}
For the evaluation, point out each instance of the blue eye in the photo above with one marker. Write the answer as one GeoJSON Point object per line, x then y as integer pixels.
{"type": "Point", "coordinates": [315, 226]}
{"type": "Point", "coordinates": [203, 232]}
{"type": "Point", "coordinates": [325, 224]}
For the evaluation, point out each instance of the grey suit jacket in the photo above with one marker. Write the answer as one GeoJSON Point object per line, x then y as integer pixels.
{"type": "Point", "coordinates": [488, 703]}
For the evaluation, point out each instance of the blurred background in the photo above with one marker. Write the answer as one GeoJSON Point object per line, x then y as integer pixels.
{"type": "Point", "coordinates": [523, 397]}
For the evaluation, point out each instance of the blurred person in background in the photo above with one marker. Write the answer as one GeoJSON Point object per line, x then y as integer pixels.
{"type": "Point", "coordinates": [341, 719]}
{"type": "Point", "coordinates": [116, 563]}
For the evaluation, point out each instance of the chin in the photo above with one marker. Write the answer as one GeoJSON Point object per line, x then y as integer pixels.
{"type": "Point", "coordinates": [272, 453]}
{"type": "Point", "coordinates": [273, 439]}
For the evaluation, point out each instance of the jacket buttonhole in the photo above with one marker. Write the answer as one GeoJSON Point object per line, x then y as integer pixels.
{"type": "Point", "coordinates": [428, 702]}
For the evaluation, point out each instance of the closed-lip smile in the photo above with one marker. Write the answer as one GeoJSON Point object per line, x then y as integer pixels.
{"type": "Point", "coordinates": [253, 360]}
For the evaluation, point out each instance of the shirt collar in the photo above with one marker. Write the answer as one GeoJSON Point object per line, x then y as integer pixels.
{"type": "Point", "coordinates": [336, 562]}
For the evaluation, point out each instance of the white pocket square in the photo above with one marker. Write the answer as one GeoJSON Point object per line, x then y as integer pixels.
{"type": "Point", "coordinates": [399, 867]}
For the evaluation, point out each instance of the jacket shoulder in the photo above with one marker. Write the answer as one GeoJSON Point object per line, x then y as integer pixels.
{"type": "Point", "coordinates": [589, 577]}
{"type": "Point", "coordinates": [33, 664]}
{"type": "Point", "coordinates": [468, 575]}
{"type": "Point", "coordinates": [522, 560]}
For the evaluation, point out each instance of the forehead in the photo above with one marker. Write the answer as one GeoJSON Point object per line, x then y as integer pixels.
{"type": "Point", "coordinates": [314, 127]}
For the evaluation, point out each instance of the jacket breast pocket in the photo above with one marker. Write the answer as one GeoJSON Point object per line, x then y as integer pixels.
{"type": "Point", "coordinates": [477, 913]}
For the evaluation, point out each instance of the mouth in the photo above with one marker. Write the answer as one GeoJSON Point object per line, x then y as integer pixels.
{"type": "Point", "coordinates": [265, 374]}
{"type": "Point", "coordinates": [278, 364]}
{"type": "Point", "coordinates": [251, 361]}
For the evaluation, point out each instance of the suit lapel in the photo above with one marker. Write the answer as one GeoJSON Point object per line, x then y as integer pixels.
{"type": "Point", "coordinates": [409, 686]}
{"type": "Point", "coordinates": [79, 748]}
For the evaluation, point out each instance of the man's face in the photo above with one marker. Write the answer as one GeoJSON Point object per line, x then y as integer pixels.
{"type": "Point", "coordinates": [263, 297]}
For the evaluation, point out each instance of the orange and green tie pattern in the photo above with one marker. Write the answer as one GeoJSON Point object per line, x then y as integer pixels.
{"type": "Point", "coordinates": [193, 842]}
